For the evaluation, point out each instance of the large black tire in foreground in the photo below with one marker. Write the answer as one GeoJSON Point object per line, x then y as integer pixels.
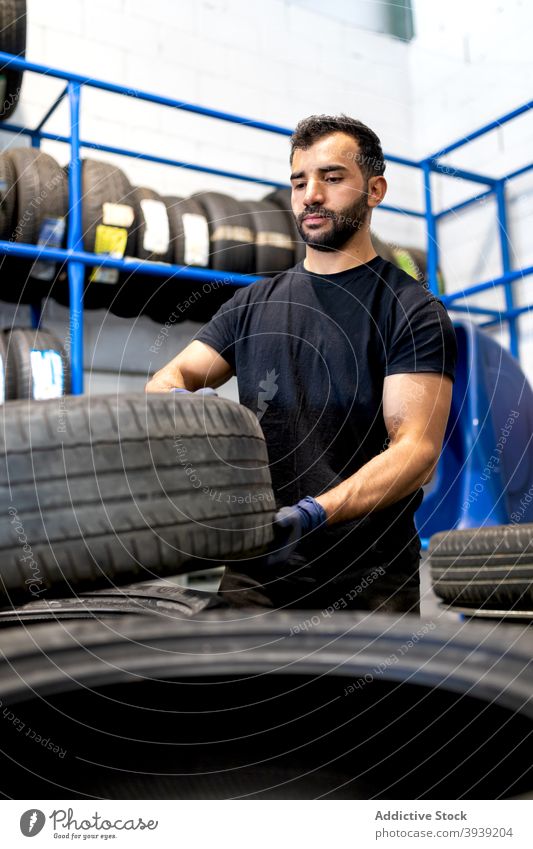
{"type": "Point", "coordinates": [487, 567]}
{"type": "Point", "coordinates": [12, 40]}
{"type": "Point", "coordinates": [277, 706]}
{"type": "Point", "coordinates": [114, 489]}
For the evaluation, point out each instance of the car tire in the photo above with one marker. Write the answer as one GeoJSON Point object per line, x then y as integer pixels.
{"type": "Point", "coordinates": [486, 567]}
{"type": "Point", "coordinates": [274, 248]}
{"type": "Point", "coordinates": [231, 233]}
{"type": "Point", "coordinates": [114, 489]}
{"type": "Point", "coordinates": [25, 377]}
{"type": "Point", "coordinates": [282, 199]}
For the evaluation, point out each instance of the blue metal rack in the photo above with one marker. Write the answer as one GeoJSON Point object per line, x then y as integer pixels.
{"type": "Point", "coordinates": [76, 258]}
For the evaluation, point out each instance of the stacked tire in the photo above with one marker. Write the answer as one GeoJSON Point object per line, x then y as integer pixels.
{"type": "Point", "coordinates": [484, 571]}
{"type": "Point", "coordinates": [210, 231]}
{"type": "Point", "coordinates": [124, 488]}
{"type": "Point", "coordinates": [34, 365]}
{"type": "Point", "coordinates": [33, 210]}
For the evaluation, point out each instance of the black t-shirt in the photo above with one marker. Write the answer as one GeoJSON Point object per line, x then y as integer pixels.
{"type": "Point", "coordinates": [310, 352]}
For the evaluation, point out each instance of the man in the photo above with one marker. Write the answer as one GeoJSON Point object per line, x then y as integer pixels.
{"type": "Point", "coordinates": [349, 364]}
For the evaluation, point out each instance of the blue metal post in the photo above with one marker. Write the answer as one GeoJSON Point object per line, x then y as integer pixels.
{"type": "Point", "coordinates": [35, 315]}
{"type": "Point", "coordinates": [432, 251]}
{"type": "Point", "coordinates": [36, 309]}
{"type": "Point", "coordinates": [506, 265]}
{"type": "Point", "coordinates": [76, 270]}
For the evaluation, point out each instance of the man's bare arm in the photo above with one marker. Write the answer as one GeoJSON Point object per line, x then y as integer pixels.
{"type": "Point", "coordinates": [198, 365]}
{"type": "Point", "coordinates": [416, 409]}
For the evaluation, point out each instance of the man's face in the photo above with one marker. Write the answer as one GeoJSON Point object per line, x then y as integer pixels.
{"type": "Point", "coordinates": [329, 192]}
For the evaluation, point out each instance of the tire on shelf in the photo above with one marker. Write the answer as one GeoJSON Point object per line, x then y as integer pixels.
{"type": "Point", "coordinates": [8, 190]}
{"type": "Point", "coordinates": [282, 199]}
{"type": "Point", "coordinates": [134, 292]}
{"type": "Point", "coordinates": [274, 249]}
{"type": "Point", "coordinates": [37, 365]}
{"type": "Point", "coordinates": [231, 233]}
{"type": "Point", "coordinates": [179, 299]}
{"type": "Point", "coordinates": [40, 217]}
{"type": "Point", "coordinates": [153, 227]}
{"type": "Point", "coordinates": [109, 219]}
{"type": "Point", "coordinates": [112, 489]}
{"type": "Point", "coordinates": [12, 40]}
{"type": "Point", "coordinates": [41, 193]}
{"type": "Point", "coordinates": [490, 567]}
{"type": "Point", "coordinates": [108, 201]}
{"type": "Point", "coordinates": [189, 232]}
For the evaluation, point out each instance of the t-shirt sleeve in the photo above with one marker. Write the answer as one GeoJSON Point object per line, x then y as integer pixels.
{"type": "Point", "coordinates": [422, 338]}
{"type": "Point", "coordinates": [221, 331]}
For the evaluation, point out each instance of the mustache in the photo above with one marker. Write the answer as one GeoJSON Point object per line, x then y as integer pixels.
{"type": "Point", "coordinates": [323, 213]}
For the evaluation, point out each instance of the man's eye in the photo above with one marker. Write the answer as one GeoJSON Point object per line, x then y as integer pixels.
{"type": "Point", "coordinates": [299, 185]}
{"type": "Point", "coordinates": [333, 179]}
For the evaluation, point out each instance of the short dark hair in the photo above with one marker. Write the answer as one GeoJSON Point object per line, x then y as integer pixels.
{"type": "Point", "coordinates": [370, 158]}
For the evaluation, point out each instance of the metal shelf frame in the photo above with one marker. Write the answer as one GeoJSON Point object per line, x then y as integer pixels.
{"type": "Point", "coordinates": [76, 258]}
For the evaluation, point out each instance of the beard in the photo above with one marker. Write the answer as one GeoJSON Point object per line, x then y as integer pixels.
{"type": "Point", "coordinates": [344, 224]}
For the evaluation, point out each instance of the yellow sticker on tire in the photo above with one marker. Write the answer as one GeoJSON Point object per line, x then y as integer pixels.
{"type": "Point", "coordinates": [109, 241]}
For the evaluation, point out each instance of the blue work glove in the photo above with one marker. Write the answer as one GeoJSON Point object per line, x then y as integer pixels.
{"type": "Point", "coordinates": [206, 390]}
{"type": "Point", "coordinates": [290, 525]}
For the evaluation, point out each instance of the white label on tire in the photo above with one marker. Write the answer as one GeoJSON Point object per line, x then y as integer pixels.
{"type": "Point", "coordinates": [47, 374]}
{"type": "Point", "coordinates": [196, 237]}
{"type": "Point", "coordinates": [2, 380]}
{"type": "Point", "coordinates": [156, 232]}
{"type": "Point", "coordinates": [117, 215]}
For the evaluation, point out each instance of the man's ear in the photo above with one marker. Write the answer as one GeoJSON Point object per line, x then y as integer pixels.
{"type": "Point", "coordinates": [377, 189]}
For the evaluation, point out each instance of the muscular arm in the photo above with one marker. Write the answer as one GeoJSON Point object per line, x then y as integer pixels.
{"type": "Point", "coordinates": [198, 365]}
{"type": "Point", "coordinates": [415, 409]}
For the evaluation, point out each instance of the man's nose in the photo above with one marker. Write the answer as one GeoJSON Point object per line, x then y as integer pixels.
{"type": "Point", "coordinates": [314, 193]}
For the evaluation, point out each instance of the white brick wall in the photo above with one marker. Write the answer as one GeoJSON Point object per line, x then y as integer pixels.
{"type": "Point", "coordinates": [470, 64]}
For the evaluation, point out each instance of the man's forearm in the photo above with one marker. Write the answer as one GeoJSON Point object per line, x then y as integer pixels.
{"type": "Point", "coordinates": [385, 479]}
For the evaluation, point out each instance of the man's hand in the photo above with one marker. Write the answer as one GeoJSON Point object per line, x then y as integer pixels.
{"type": "Point", "coordinates": [161, 382]}
{"type": "Point", "coordinates": [290, 525]}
